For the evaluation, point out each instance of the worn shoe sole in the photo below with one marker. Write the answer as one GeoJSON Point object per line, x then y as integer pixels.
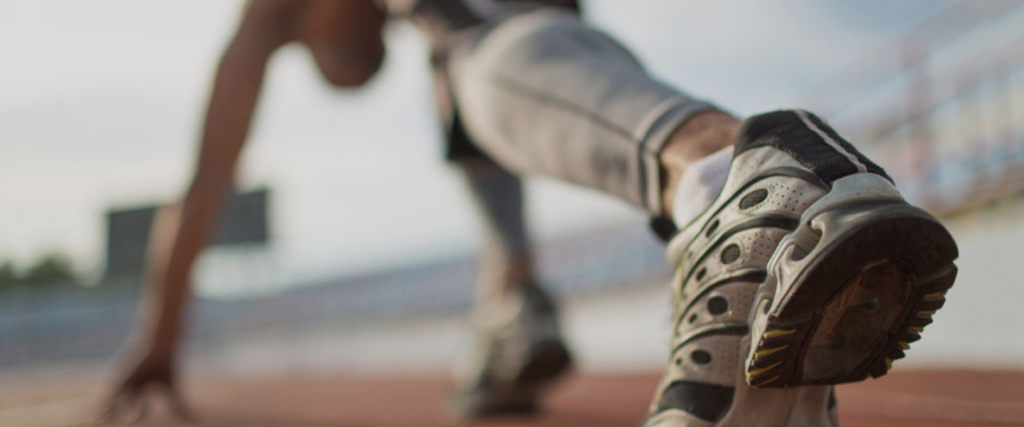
{"type": "Point", "coordinates": [849, 289]}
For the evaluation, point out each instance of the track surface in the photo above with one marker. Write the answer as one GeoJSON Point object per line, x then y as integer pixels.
{"type": "Point", "coordinates": [912, 398]}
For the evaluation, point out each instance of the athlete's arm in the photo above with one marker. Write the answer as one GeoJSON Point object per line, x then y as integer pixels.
{"type": "Point", "coordinates": [181, 232]}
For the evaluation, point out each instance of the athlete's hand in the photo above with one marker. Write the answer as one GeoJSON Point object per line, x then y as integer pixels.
{"type": "Point", "coordinates": [148, 376]}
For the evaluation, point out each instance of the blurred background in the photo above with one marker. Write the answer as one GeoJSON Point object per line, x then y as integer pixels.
{"type": "Point", "coordinates": [351, 237]}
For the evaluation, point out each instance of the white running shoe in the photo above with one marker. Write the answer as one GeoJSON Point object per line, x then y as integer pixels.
{"type": "Point", "coordinates": [808, 270]}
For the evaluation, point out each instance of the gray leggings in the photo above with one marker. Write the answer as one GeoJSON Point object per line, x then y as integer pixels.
{"type": "Point", "coordinates": [541, 92]}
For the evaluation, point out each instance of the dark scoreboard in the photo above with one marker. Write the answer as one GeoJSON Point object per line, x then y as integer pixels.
{"type": "Point", "coordinates": [244, 222]}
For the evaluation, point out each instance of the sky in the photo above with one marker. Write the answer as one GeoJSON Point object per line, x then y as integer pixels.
{"type": "Point", "coordinates": [101, 102]}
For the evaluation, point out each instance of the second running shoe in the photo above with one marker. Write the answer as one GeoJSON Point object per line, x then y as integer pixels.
{"type": "Point", "coordinates": [519, 353]}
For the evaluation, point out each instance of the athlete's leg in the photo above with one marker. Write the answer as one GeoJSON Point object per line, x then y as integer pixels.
{"type": "Point", "coordinates": [518, 348]}
{"type": "Point", "coordinates": [497, 195]}
{"type": "Point", "coordinates": [542, 93]}
{"type": "Point", "coordinates": [517, 344]}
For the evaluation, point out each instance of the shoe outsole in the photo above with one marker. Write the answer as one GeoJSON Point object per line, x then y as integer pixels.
{"type": "Point", "coordinates": [898, 255]}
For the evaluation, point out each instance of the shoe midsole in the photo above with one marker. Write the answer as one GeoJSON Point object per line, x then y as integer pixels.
{"type": "Point", "coordinates": [861, 230]}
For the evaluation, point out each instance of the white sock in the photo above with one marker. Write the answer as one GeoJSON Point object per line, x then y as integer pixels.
{"type": "Point", "coordinates": [700, 185]}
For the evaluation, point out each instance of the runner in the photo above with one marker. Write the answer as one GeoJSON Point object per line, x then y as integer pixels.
{"type": "Point", "coordinates": [345, 40]}
{"type": "Point", "coordinates": [798, 264]}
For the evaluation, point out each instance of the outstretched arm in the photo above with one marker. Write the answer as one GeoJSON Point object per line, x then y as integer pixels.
{"type": "Point", "coordinates": [180, 232]}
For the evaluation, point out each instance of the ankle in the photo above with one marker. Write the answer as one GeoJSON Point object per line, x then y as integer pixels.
{"type": "Point", "coordinates": [501, 275]}
{"type": "Point", "coordinates": [697, 137]}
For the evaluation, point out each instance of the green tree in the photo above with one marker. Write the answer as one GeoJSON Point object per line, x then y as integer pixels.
{"type": "Point", "coordinates": [51, 269]}
{"type": "Point", "coordinates": [8, 276]}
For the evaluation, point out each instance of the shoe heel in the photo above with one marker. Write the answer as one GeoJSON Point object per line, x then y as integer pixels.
{"type": "Point", "coordinates": [849, 289]}
{"type": "Point", "coordinates": [548, 360]}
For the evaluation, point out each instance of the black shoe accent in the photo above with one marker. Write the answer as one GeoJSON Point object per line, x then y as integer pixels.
{"type": "Point", "coordinates": [705, 401]}
{"type": "Point", "coordinates": [721, 328]}
{"type": "Point", "coordinates": [663, 227]}
{"type": "Point", "coordinates": [785, 222]}
{"type": "Point", "coordinates": [785, 131]}
{"type": "Point", "coordinates": [755, 276]}
{"type": "Point", "coordinates": [753, 198]}
{"type": "Point", "coordinates": [871, 166]}
{"type": "Point", "coordinates": [548, 361]}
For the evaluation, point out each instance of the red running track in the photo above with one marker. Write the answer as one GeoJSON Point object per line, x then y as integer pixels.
{"type": "Point", "coordinates": [913, 398]}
